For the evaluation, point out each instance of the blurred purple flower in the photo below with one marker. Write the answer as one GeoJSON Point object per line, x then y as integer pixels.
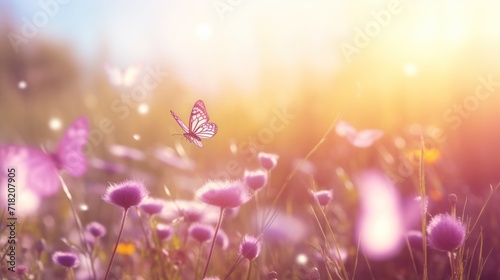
{"type": "Point", "coordinates": [224, 194]}
{"type": "Point", "coordinates": [222, 239]}
{"type": "Point", "coordinates": [268, 161]}
{"type": "Point", "coordinates": [255, 179]}
{"type": "Point", "coordinates": [168, 156]}
{"type": "Point", "coordinates": [250, 247]}
{"type": "Point", "coordinates": [279, 231]}
{"type": "Point", "coordinates": [445, 232]}
{"type": "Point", "coordinates": [191, 211]}
{"type": "Point", "coordinates": [126, 194]}
{"type": "Point", "coordinates": [322, 197]}
{"type": "Point", "coordinates": [65, 259]}
{"type": "Point", "coordinates": [126, 152]}
{"type": "Point", "coordinates": [152, 206]}
{"type": "Point", "coordinates": [415, 239]}
{"type": "Point", "coordinates": [201, 232]}
{"type": "Point", "coordinates": [96, 229]}
{"type": "Point", "coordinates": [21, 270]}
{"type": "Point", "coordinates": [107, 166]}
{"type": "Point", "coordinates": [164, 232]}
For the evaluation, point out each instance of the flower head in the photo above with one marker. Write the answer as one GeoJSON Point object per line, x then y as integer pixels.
{"type": "Point", "coordinates": [164, 232]}
{"type": "Point", "coordinates": [268, 161]}
{"type": "Point", "coordinates": [415, 239]}
{"type": "Point", "coordinates": [65, 259]}
{"type": "Point", "coordinates": [445, 232]}
{"type": "Point", "coordinates": [152, 205]}
{"type": "Point", "coordinates": [201, 232]}
{"type": "Point", "coordinates": [250, 247]}
{"type": "Point", "coordinates": [126, 194]}
{"type": "Point", "coordinates": [224, 194]}
{"type": "Point", "coordinates": [96, 229]}
{"type": "Point", "coordinates": [222, 239]}
{"type": "Point", "coordinates": [323, 197]}
{"type": "Point", "coordinates": [255, 179]}
{"type": "Point", "coordinates": [22, 270]}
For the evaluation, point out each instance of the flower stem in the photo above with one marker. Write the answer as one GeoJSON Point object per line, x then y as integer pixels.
{"type": "Point", "coordinates": [213, 242]}
{"type": "Point", "coordinates": [250, 270]}
{"type": "Point", "coordinates": [117, 242]}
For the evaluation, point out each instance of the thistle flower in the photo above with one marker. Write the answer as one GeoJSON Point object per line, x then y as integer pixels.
{"type": "Point", "coordinates": [250, 247]}
{"type": "Point", "coordinates": [96, 229]}
{"type": "Point", "coordinates": [65, 259]}
{"type": "Point", "coordinates": [164, 232]}
{"type": "Point", "coordinates": [255, 179]}
{"type": "Point", "coordinates": [445, 232]}
{"type": "Point", "coordinates": [201, 232]}
{"type": "Point", "coordinates": [224, 194]}
{"type": "Point", "coordinates": [152, 206]}
{"type": "Point", "coordinates": [323, 197]}
{"type": "Point", "coordinates": [268, 161]}
{"type": "Point", "coordinates": [126, 194]}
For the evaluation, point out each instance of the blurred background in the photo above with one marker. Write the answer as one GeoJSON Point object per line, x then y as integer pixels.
{"type": "Point", "coordinates": [405, 67]}
{"type": "Point", "coordinates": [274, 75]}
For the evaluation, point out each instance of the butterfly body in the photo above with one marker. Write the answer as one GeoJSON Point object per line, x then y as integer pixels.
{"type": "Point", "coordinates": [199, 127]}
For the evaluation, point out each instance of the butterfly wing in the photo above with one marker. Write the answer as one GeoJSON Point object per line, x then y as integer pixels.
{"type": "Point", "coordinates": [193, 139]}
{"type": "Point", "coordinates": [180, 122]}
{"type": "Point", "coordinates": [198, 122]}
{"type": "Point", "coordinates": [34, 169]}
{"type": "Point", "coordinates": [70, 155]}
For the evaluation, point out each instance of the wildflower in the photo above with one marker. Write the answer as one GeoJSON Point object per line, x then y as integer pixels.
{"type": "Point", "coordinates": [201, 232]}
{"type": "Point", "coordinates": [22, 270]}
{"type": "Point", "coordinates": [323, 197]}
{"type": "Point", "coordinates": [126, 194]}
{"type": "Point", "coordinates": [65, 259]}
{"type": "Point", "coordinates": [96, 229]}
{"type": "Point", "coordinates": [255, 179]}
{"type": "Point", "coordinates": [222, 239]}
{"type": "Point", "coordinates": [445, 232]}
{"type": "Point", "coordinates": [125, 248]}
{"type": "Point", "coordinates": [164, 232]}
{"type": "Point", "coordinates": [250, 247]}
{"type": "Point", "coordinates": [152, 206]}
{"type": "Point", "coordinates": [268, 161]}
{"type": "Point", "coordinates": [415, 239]}
{"type": "Point", "coordinates": [224, 194]}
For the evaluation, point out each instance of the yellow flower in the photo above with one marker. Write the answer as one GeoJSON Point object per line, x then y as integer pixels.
{"type": "Point", "coordinates": [125, 248]}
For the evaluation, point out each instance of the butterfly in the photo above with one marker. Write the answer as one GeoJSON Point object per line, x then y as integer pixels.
{"type": "Point", "coordinates": [38, 170]}
{"type": "Point", "coordinates": [360, 139]}
{"type": "Point", "coordinates": [125, 77]}
{"type": "Point", "coordinates": [199, 127]}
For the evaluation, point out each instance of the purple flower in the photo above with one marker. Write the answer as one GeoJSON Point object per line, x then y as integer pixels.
{"type": "Point", "coordinates": [22, 270]}
{"type": "Point", "coordinates": [255, 179]}
{"type": "Point", "coordinates": [445, 232]}
{"type": "Point", "coordinates": [65, 259]}
{"type": "Point", "coordinates": [96, 229]}
{"type": "Point", "coordinates": [164, 232]}
{"type": "Point", "coordinates": [268, 161]}
{"type": "Point", "coordinates": [250, 247]}
{"type": "Point", "coordinates": [201, 232]}
{"type": "Point", "coordinates": [222, 239]}
{"type": "Point", "coordinates": [323, 197]}
{"type": "Point", "coordinates": [415, 239]}
{"type": "Point", "coordinates": [126, 194]}
{"type": "Point", "coordinates": [224, 194]}
{"type": "Point", "coordinates": [152, 205]}
{"type": "Point", "coordinates": [126, 152]}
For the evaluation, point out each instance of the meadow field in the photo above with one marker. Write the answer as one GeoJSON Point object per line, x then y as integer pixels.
{"type": "Point", "coordinates": [233, 139]}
